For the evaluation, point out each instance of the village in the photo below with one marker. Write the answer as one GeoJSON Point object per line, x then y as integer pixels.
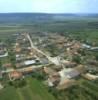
{"type": "Point", "coordinates": [61, 61]}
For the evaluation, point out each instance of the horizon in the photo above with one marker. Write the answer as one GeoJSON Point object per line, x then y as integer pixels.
{"type": "Point", "coordinates": [42, 13]}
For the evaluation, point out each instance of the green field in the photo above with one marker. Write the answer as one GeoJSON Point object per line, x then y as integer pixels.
{"type": "Point", "coordinates": [34, 90]}
{"type": "Point", "coordinates": [82, 29]}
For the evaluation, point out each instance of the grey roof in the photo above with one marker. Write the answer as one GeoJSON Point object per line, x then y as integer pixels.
{"type": "Point", "coordinates": [72, 73]}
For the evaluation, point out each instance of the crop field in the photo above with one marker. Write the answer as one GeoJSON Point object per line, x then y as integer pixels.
{"type": "Point", "coordinates": [34, 90]}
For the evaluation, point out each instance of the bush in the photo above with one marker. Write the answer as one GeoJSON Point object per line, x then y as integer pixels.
{"type": "Point", "coordinates": [77, 59]}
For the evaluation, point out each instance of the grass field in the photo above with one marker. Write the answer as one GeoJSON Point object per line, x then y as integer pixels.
{"type": "Point", "coordinates": [87, 30]}
{"type": "Point", "coordinates": [34, 90]}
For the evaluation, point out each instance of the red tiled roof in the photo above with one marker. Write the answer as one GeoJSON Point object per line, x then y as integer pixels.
{"type": "Point", "coordinates": [15, 74]}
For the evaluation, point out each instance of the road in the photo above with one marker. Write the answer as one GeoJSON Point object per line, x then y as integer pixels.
{"type": "Point", "coordinates": [54, 60]}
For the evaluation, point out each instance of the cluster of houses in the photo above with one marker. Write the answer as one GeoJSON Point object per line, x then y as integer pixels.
{"type": "Point", "coordinates": [66, 75]}
{"type": "Point", "coordinates": [25, 63]}
{"type": "Point", "coordinates": [60, 76]}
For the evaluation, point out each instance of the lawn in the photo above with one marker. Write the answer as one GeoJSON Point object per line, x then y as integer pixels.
{"type": "Point", "coordinates": [34, 90]}
{"type": "Point", "coordinates": [9, 93]}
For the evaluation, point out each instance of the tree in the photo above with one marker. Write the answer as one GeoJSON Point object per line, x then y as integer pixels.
{"type": "Point", "coordinates": [18, 83]}
{"type": "Point", "coordinates": [77, 59]}
{"type": "Point", "coordinates": [96, 56]}
{"type": "Point", "coordinates": [82, 52]}
{"type": "Point", "coordinates": [12, 58]}
{"type": "Point", "coordinates": [38, 75]}
{"type": "Point", "coordinates": [0, 64]}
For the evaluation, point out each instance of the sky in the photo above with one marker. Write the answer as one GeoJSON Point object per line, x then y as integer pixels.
{"type": "Point", "coordinates": [49, 6]}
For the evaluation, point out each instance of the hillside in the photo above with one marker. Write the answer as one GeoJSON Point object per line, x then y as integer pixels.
{"type": "Point", "coordinates": [41, 17]}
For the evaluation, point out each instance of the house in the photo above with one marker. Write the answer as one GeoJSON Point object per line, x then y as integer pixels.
{"type": "Point", "coordinates": [17, 49]}
{"type": "Point", "coordinates": [29, 62]}
{"type": "Point", "coordinates": [26, 63]}
{"type": "Point", "coordinates": [26, 70]}
{"type": "Point", "coordinates": [49, 71]}
{"type": "Point", "coordinates": [20, 57]}
{"type": "Point", "coordinates": [69, 64]}
{"type": "Point", "coordinates": [90, 76]}
{"type": "Point", "coordinates": [15, 75]}
{"type": "Point", "coordinates": [92, 62]}
{"type": "Point", "coordinates": [94, 48]}
{"type": "Point", "coordinates": [44, 60]}
{"type": "Point", "coordinates": [86, 46]}
{"type": "Point", "coordinates": [7, 66]}
{"type": "Point", "coordinates": [81, 69]}
{"type": "Point", "coordinates": [54, 67]}
{"type": "Point", "coordinates": [53, 80]}
{"type": "Point", "coordinates": [65, 83]}
{"type": "Point", "coordinates": [69, 73]}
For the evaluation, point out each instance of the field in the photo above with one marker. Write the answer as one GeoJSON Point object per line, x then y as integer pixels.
{"type": "Point", "coordinates": [85, 30]}
{"type": "Point", "coordinates": [34, 90]}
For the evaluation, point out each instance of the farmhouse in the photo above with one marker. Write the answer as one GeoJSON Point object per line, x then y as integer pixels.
{"type": "Point", "coordinates": [15, 75]}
